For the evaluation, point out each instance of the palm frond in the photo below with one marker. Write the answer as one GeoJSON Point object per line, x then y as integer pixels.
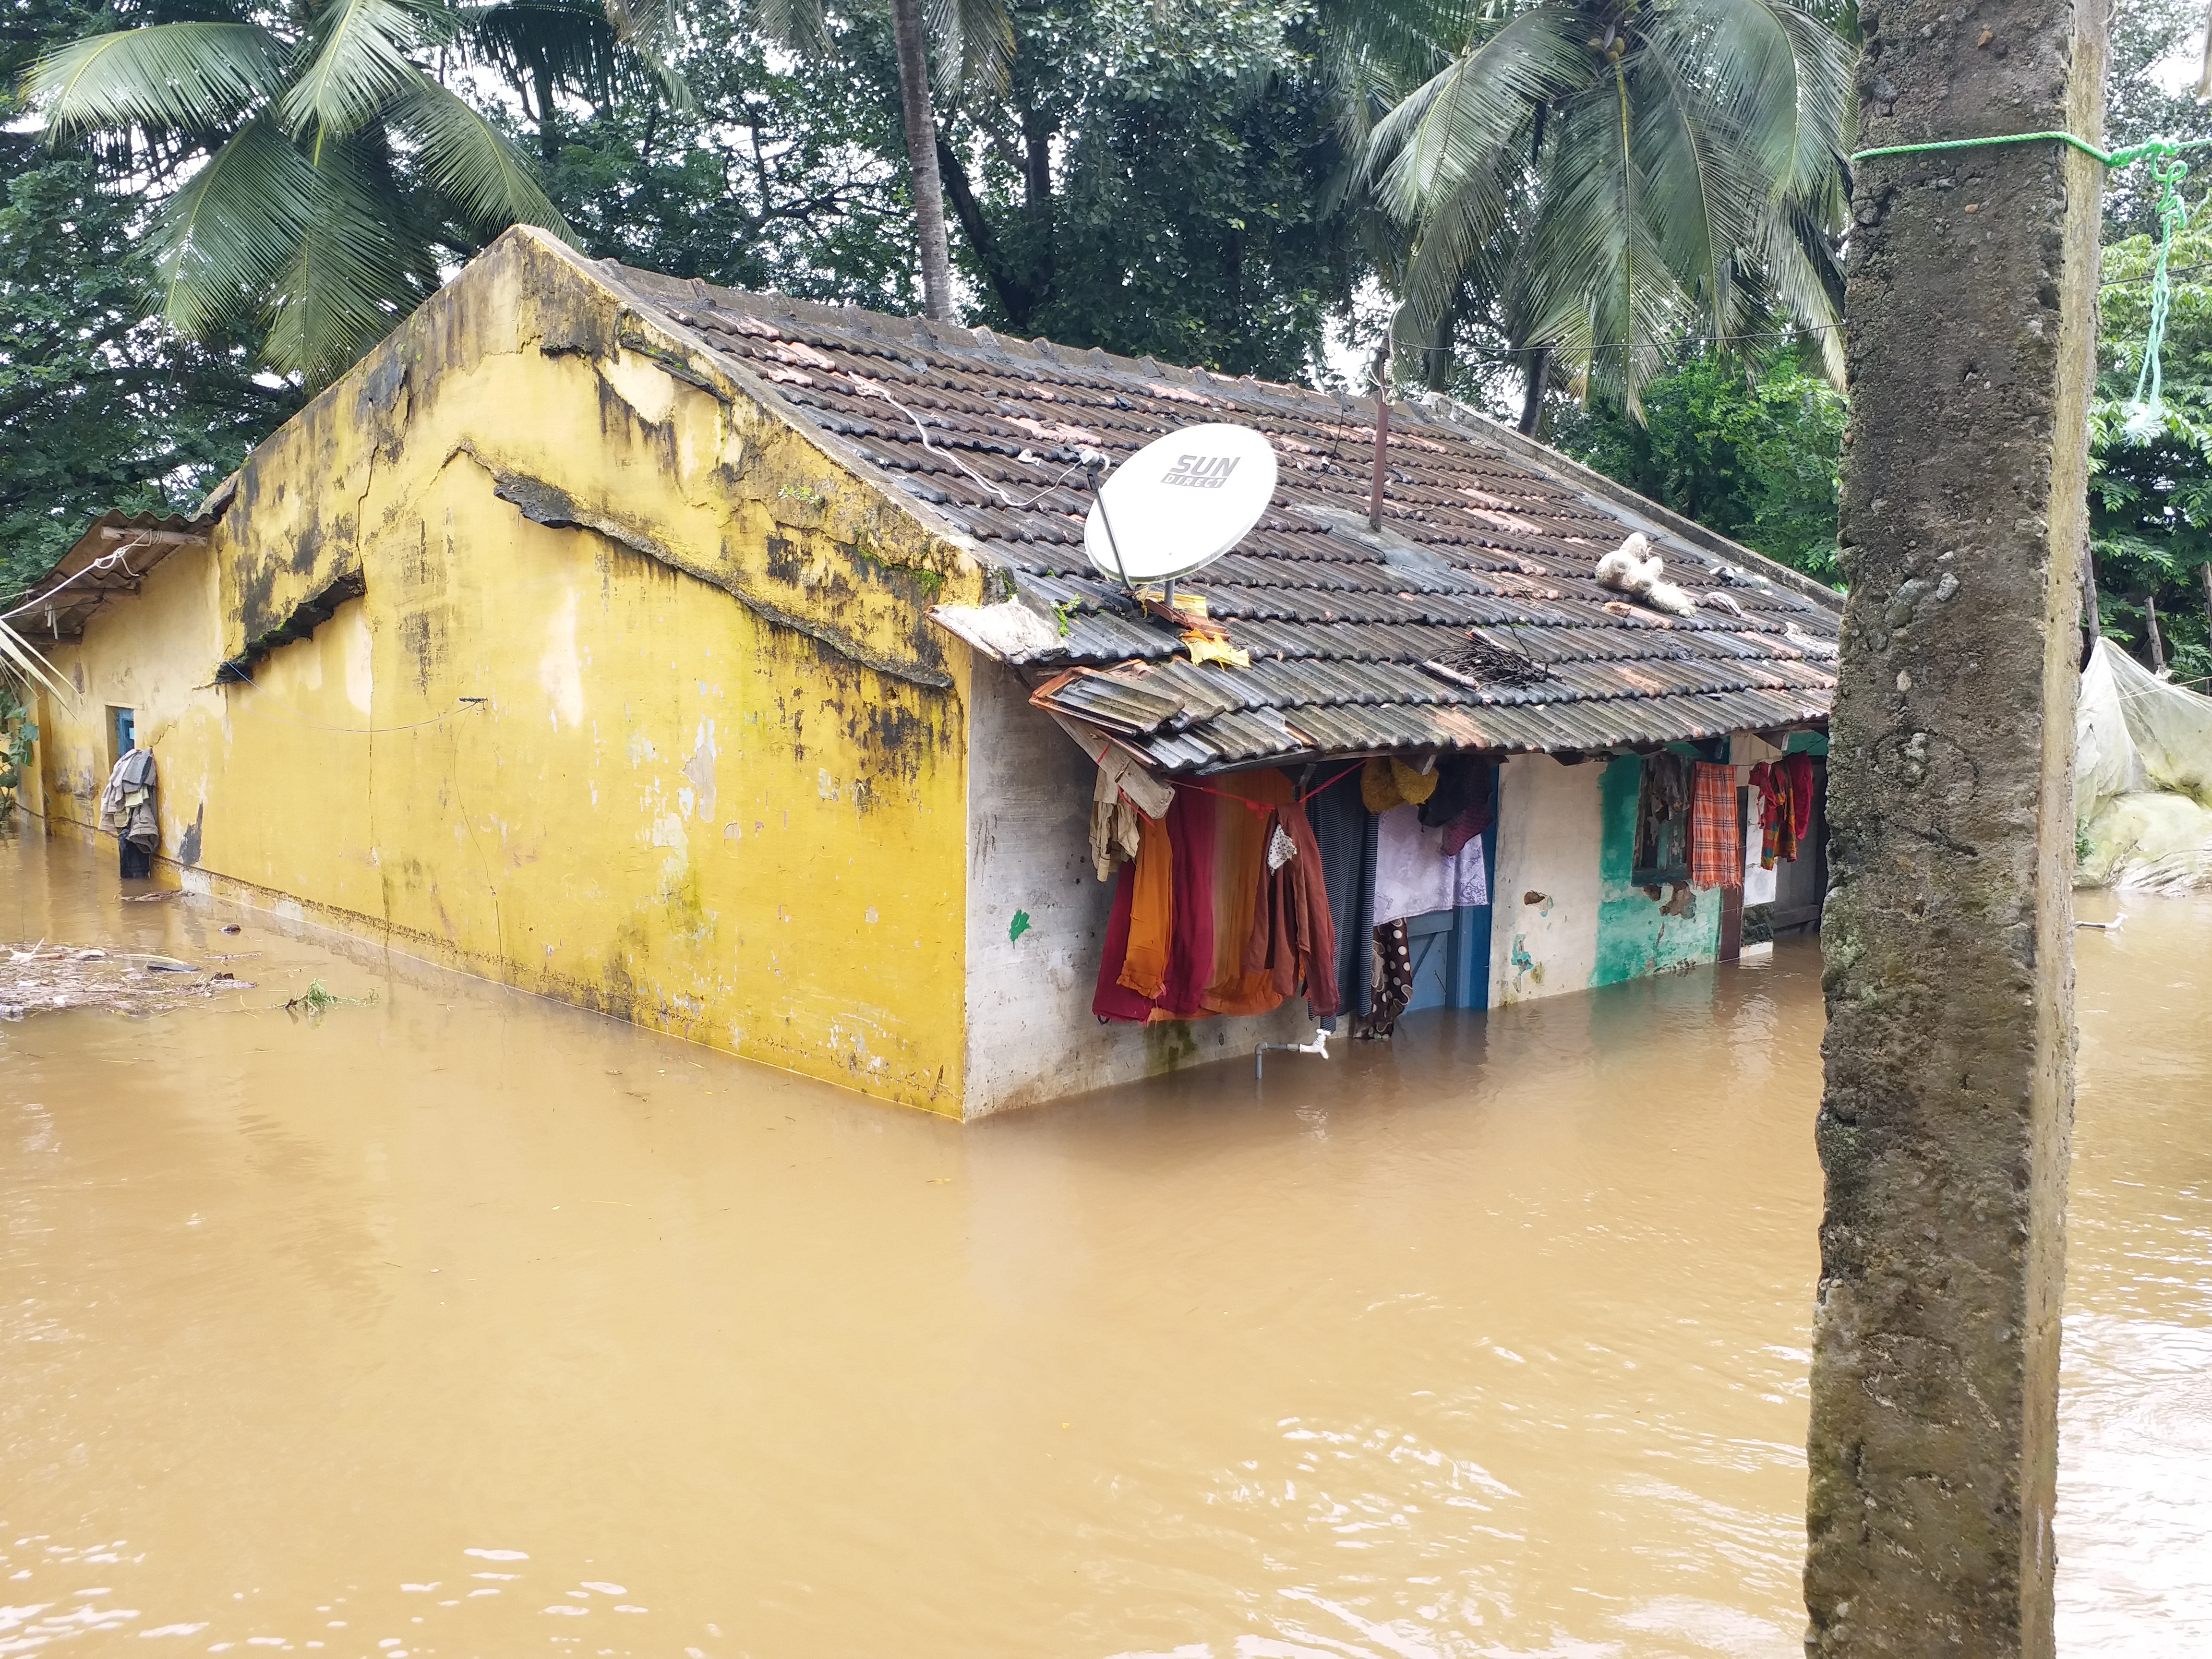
{"type": "Point", "coordinates": [1452, 126]}
{"type": "Point", "coordinates": [221, 242]}
{"type": "Point", "coordinates": [1599, 287]}
{"type": "Point", "coordinates": [974, 42]}
{"type": "Point", "coordinates": [1399, 42]}
{"type": "Point", "coordinates": [1783, 77]}
{"type": "Point", "coordinates": [1702, 192]}
{"type": "Point", "coordinates": [571, 40]}
{"type": "Point", "coordinates": [21, 661]}
{"type": "Point", "coordinates": [1800, 260]}
{"type": "Point", "coordinates": [167, 75]}
{"type": "Point", "coordinates": [648, 29]}
{"type": "Point", "coordinates": [796, 25]}
{"type": "Point", "coordinates": [472, 163]}
{"type": "Point", "coordinates": [356, 63]}
{"type": "Point", "coordinates": [347, 281]}
{"type": "Point", "coordinates": [1463, 236]}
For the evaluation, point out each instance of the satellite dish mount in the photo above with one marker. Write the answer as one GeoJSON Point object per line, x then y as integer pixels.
{"type": "Point", "coordinates": [1179, 504]}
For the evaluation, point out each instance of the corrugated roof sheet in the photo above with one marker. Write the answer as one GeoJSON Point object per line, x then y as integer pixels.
{"type": "Point", "coordinates": [113, 555]}
{"type": "Point", "coordinates": [1486, 536]}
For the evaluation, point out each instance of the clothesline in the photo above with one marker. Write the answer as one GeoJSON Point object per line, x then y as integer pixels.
{"type": "Point", "coordinates": [1267, 807]}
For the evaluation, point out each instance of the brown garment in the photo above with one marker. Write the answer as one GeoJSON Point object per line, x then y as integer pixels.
{"type": "Point", "coordinates": [1115, 836]}
{"type": "Point", "coordinates": [1293, 939]}
{"type": "Point", "coordinates": [1151, 909]}
{"type": "Point", "coordinates": [1240, 860]}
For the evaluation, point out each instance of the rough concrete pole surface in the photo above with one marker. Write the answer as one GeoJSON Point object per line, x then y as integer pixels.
{"type": "Point", "coordinates": [1945, 1128]}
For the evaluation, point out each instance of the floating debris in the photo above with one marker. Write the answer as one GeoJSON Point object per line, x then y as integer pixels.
{"type": "Point", "coordinates": [43, 978]}
{"type": "Point", "coordinates": [318, 998]}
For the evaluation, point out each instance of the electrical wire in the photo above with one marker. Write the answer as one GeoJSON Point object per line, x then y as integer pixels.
{"type": "Point", "coordinates": [875, 389]}
{"type": "Point", "coordinates": [470, 705]}
{"type": "Point", "coordinates": [105, 561]}
{"type": "Point", "coordinates": [1501, 353]}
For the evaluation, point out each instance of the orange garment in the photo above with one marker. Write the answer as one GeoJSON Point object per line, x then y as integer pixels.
{"type": "Point", "coordinates": [1240, 858]}
{"type": "Point", "coordinates": [1151, 909]}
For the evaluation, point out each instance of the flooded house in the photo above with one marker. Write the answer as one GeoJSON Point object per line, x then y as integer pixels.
{"type": "Point", "coordinates": [734, 665]}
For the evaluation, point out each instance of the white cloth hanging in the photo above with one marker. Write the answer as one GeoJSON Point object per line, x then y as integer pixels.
{"type": "Point", "coordinates": [1413, 877]}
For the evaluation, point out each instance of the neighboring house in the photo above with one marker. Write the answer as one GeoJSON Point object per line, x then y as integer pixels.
{"type": "Point", "coordinates": [618, 638]}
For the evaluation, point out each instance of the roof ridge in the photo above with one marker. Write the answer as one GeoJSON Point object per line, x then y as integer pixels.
{"type": "Point", "coordinates": [658, 287]}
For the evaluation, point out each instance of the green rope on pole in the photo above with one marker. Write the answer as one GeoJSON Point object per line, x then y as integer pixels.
{"type": "Point", "coordinates": [2118, 158]}
{"type": "Point", "coordinates": [2146, 414]}
{"type": "Point", "coordinates": [2147, 410]}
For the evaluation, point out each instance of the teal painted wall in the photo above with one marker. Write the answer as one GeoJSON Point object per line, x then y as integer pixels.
{"type": "Point", "coordinates": [1635, 935]}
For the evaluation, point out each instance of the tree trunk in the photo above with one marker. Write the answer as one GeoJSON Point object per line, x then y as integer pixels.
{"type": "Point", "coordinates": [1532, 400]}
{"type": "Point", "coordinates": [549, 116]}
{"type": "Point", "coordinates": [1436, 363]}
{"type": "Point", "coordinates": [1037, 199]}
{"type": "Point", "coordinates": [2150, 624]}
{"type": "Point", "coordinates": [1012, 288]}
{"type": "Point", "coordinates": [2204, 572]}
{"type": "Point", "coordinates": [920, 124]}
{"type": "Point", "coordinates": [1945, 1128]}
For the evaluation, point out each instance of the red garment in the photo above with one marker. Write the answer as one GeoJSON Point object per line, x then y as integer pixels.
{"type": "Point", "coordinates": [1799, 769]}
{"type": "Point", "coordinates": [1293, 937]}
{"type": "Point", "coordinates": [1191, 823]}
{"type": "Point", "coordinates": [1113, 1000]}
{"type": "Point", "coordinates": [1716, 854]}
{"type": "Point", "coordinates": [1777, 814]}
{"type": "Point", "coordinates": [1476, 818]}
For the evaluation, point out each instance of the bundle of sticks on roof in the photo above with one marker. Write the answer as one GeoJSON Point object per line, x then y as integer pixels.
{"type": "Point", "coordinates": [1494, 664]}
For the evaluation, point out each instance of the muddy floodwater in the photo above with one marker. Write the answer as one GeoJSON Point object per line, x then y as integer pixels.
{"type": "Point", "coordinates": [450, 1322]}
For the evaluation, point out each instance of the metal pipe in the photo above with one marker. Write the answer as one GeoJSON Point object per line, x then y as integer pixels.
{"type": "Point", "coordinates": [1382, 432]}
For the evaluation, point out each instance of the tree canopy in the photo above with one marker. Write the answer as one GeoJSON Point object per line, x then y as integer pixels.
{"type": "Point", "coordinates": [319, 168]}
{"type": "Point", "coordinates": [104, 407]}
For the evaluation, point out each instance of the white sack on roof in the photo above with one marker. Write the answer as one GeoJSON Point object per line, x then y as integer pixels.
{"type": "Point", "coordinates": [2142, 777]}
{"type": "Point", "coordinates": [1633, 569]}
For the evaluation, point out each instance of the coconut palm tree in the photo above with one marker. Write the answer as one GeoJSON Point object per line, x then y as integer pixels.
{"type": "Point", "coordinates": [331, 172]}
{"type": "Point", "coordinates": [974, 40]}
{"type": "Point", "coordinates": [1610, 174]}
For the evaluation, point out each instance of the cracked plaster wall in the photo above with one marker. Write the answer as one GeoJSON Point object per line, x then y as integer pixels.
{"type": "Point", "coordinates": [717, 781]}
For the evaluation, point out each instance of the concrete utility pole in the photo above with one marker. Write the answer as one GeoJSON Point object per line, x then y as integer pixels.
{"type": "Point", "coordinates": [1948, 937]}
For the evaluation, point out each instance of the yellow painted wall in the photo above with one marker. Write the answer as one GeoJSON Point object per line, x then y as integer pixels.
{"type": "Point", "coordinates": [717, 783]}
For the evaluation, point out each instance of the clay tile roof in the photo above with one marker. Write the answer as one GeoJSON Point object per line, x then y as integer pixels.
{"type": "Point", "coordinates": [1486, 555]}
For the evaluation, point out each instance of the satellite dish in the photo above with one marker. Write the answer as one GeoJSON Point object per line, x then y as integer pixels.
{"type": "Point", "coordinates": [1180, 502]}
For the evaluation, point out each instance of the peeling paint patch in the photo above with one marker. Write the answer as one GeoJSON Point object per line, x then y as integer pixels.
{"type": "Point", "coordinates": [360, 663]}
{"type": "Point", "coordinates": [645, 386]}
{"type": "Point", "coordinates": [700, 769]}
{"type": "Point", "coordinates": [559, 669]}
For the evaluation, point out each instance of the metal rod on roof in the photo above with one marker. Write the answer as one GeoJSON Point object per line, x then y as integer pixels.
{"type": "Point", "coordinates": [1382, 432]}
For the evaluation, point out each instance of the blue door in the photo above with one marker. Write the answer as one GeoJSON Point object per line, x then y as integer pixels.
{"type": "Point", "coordinates": [1451, 948]}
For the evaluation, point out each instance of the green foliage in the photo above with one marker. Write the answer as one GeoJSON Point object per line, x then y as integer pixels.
{"type": "Point", "coordinates": [312, 175]}
{"type": "Point", "coordinates": [124, 415]}
{"type": "Point", "coordinates": [1157, 180]}
{"type": "Point", "coordinates": [17, 734]}
{"type": "Point", "coordinates": [785, 175]}
{"type": "Point", "coordinates": [2144, 32]}
{"type": "Point", "coordinates": [1601, 178]}
{"type": "Point", "coordinates": [1754, 456]}
{"type": "Point", "coordinates": [2150, 498]}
